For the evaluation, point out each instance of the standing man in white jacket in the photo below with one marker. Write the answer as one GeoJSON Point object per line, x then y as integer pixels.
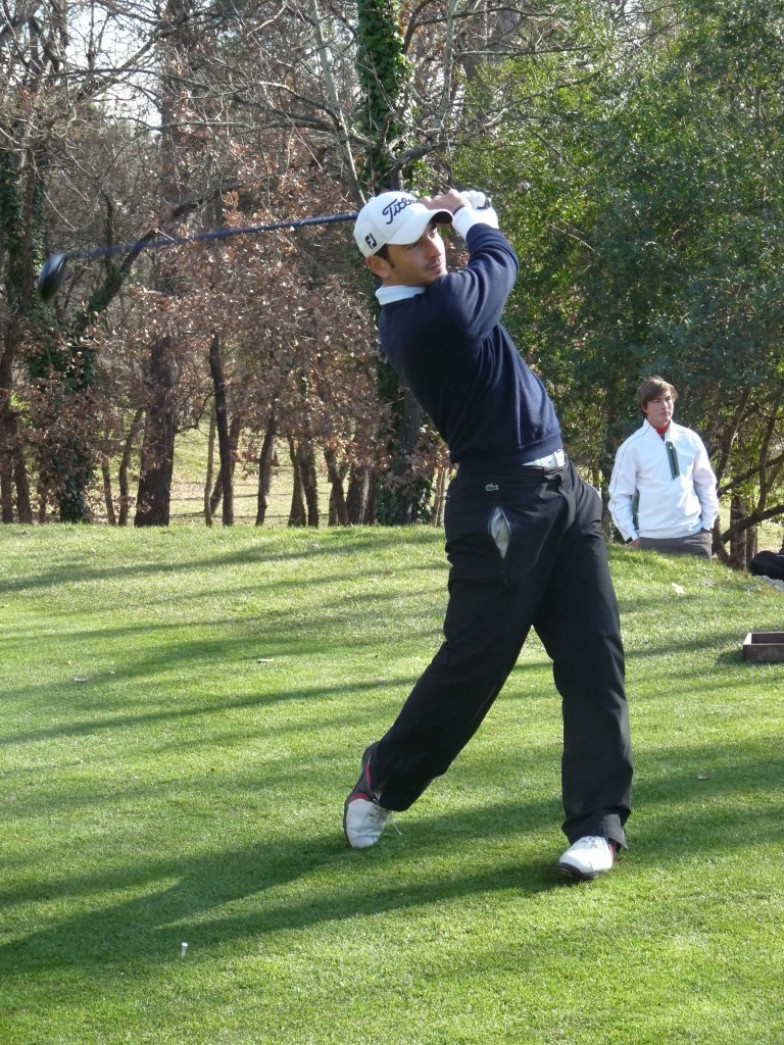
{"type": "Point", "coordinates": [663, 489]}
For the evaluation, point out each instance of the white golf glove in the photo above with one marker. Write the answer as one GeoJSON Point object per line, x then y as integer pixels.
{"type": "Point", "coordinates": [481, 206]}
{"type": "Point", "coordinates": [479, 200]}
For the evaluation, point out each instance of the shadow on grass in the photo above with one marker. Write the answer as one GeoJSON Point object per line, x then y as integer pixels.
{"type": "Point", "coordinates": [210, 707]}
{"type": "Point", "coordinates": [298, 881]}
{"type": "Point", "coordinates": [291, 885]}
{"type": "Point", "coordinates": [268, 548]}
{"type": "Point", "coordinates": [93, 726]}
{"type": "Point", "coordinates": [103, 697]}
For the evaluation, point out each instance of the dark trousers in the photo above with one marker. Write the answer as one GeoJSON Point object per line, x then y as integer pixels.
{"type": "Point", "coordinates": [553, 576]}
{"type": "Point", "coordinates": [700, 544]}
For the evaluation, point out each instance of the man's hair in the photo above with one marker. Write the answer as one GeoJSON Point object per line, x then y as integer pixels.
{"type": "Point", "coordinates": [654, 388]}
{"type": "Point", "coordinates": [382, 252]}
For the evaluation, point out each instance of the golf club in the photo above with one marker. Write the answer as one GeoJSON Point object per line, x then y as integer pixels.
{"type": "Point", "coordinates": [52, 272]}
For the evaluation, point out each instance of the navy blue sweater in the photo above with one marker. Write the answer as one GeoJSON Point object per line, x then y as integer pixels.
{"type": "Point", "coordinates": [449, 347]}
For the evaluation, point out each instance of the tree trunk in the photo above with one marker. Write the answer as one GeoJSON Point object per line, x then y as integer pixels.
{"type": "Point", "coordinates": [224, 440]}
{"type": "Point", "coordinates": [360, 504]}
{"type": "Point", "coordinates": [43, 501]}
{"type": "Point", "coordinates": [13, 471]}
{"type": "Point", "coordinates": [8, 455]}
{"type": "Point", "coordinates": [24, 508]}
{"type": "Point", "coordinates": [307, 471]}
{"type": "Point", "coordinates": [752, 533]}
{"type": "Point", "coordinates": [154, 494]}
{"type": "Point", "coordinates": [106, 475]}
{"type": "Point", "coordinates": [6, 475]}
{"type": "Point", "coordinates": [403, 496]}
{"type": "Point", "coordinates": [338, 511]}
{"type": "Point", "coordinates": [20, 190]}
{"type": "Point", "coordinates": [739, 540]}
{"type": "Point", "coordinates": [439, 501]}
{"type": "Point", "coordinates": [74, 468]}
{"type": "Point", "coordinates": [210, 463]}
{"type": "Point", "coordinates": [235, 431]}
{"type": "Point", "coordinates": [297, 515]}
{"type": "Point", "coordinates": [411, 494]}
{"type": "Point", "coordinates": [125, 464]}
{"type": "Point", "coordinates": [266, 462]}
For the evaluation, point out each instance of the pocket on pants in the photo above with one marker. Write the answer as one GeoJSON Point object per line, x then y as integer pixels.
{"type": "Point", "coordinates": [500, 531]}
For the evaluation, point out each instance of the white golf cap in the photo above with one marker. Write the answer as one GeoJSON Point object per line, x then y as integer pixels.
{"type": "Point", "coordinates": [394, 217]}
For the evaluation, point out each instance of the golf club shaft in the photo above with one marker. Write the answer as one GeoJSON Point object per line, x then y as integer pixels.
{"type": "Point", "coordinates": [158, 242]}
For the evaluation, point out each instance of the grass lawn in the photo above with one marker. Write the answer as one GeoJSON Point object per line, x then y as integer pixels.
{"type": "Point", "coordinates": [183, 713]}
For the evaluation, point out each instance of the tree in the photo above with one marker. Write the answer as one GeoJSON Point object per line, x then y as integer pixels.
{"type": "Point", "coordinates": [650, 234]}
{"type": "Point", "coordinates": [31, 50]}
{"type": "Point", "coordinates": [231, 113]}
{"type": "Point", "coordinates": [50, 123]}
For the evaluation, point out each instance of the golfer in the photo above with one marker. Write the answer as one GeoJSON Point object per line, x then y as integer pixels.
{"type": "Point", "coordinates": [523, 534]}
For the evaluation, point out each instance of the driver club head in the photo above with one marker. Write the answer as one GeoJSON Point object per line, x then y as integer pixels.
{"type": "Point", "coordinates": [51, 276]}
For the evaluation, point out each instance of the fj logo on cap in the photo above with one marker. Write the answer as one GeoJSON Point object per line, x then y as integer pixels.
{"type": "Point", "coordinates": [371, 241]}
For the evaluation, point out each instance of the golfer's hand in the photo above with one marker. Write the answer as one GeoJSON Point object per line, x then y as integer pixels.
{"type": "Point", "coordinates": [634, 544]}
{"type": "Point", "coordinates": [452, 200]}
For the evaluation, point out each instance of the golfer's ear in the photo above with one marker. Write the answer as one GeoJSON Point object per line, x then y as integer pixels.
{"type": "Point", "coordinates": [378, 266]}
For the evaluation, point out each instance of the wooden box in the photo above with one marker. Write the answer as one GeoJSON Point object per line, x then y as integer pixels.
{"type": "Point", "coordinates": [764, 647]}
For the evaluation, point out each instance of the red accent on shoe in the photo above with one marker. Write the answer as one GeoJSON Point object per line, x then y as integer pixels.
{"type": "Point", "coordinates": [358, 794]}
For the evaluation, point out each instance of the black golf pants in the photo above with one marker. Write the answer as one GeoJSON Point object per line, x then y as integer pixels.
{"type": "Point", "coordinates": [526, 549]}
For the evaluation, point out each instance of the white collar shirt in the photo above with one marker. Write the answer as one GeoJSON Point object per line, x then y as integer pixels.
{"type": "Point", "coordinates": [647, 500]}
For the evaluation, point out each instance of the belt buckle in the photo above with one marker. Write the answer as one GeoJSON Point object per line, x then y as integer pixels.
{"type": "Point", "coordinates": [552, 463]}
{"type": "Point", "coordinates": [555, 464]}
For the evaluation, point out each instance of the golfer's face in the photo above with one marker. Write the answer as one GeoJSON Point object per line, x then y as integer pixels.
{"type": "Point", "coordinates": [417, 264]}
{"type": "Point", "coordinates": [659, 411]}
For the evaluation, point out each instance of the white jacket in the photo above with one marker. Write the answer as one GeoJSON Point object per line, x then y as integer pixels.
{"type": "Point", "coordinates": [668, 507]}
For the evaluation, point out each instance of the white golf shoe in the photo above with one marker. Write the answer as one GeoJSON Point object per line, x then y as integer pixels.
{"type": "Point", "coordinates": [587, 858]}
{"type": "Point", "coordinates": [364, 819]}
